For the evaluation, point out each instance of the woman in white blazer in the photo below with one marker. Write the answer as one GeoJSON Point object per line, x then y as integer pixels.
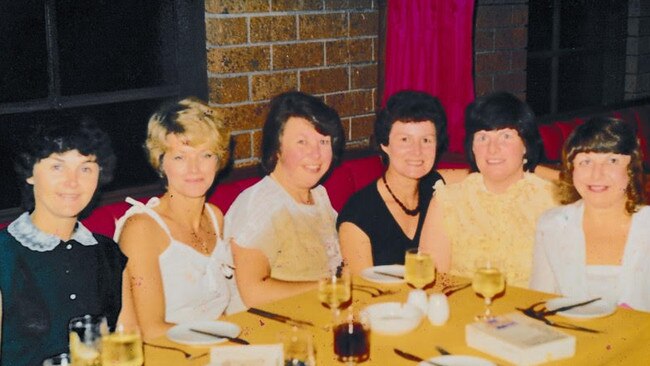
{"type": "Point", "coordinates": [598, 244]}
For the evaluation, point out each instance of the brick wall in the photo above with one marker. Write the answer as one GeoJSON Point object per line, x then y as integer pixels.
{"type": "Point", "coordinates": [637, 71]}
{"type": "Point", "coordinates": [259, 48]}
{"type": "Point", "coordinates": [500, 46]}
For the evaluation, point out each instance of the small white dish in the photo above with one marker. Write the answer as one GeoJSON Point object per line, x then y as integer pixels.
{"type": "Point", "coordinates": [596, 309]}
{"type": "Point", "coordinates": [459, 360]}
{"type": "Point", "coordinates": [182, 334]}
{"type": "Point", "coordinates": [371, 274]}
{"type": "Point", "coordinates": [393, 318]}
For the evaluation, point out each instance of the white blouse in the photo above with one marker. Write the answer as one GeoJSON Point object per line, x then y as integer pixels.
{"type": "Point", "coordinates": [300, 241]}
{"type": "Point", "coordinates": [559, 259]}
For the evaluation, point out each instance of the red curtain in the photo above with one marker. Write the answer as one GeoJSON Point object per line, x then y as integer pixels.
{"type": "Point", "coordinates": [429, 48]}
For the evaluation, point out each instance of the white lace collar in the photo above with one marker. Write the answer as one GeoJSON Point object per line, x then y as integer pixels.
{"type": "Point", "coordinates": [27, 234]}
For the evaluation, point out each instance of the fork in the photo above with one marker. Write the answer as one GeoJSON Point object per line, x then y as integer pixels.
{"type": "Point", "coordinates": [450, 289]}
{"type": "Point", "coordinates": [541, 316]}
{"type": "Point", "coordinates": [369, 289]}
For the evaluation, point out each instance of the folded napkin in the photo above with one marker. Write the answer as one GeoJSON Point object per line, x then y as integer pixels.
{"type": "Point", "coordinates": [257, 355]}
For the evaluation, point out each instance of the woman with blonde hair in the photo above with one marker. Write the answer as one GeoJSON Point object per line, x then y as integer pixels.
{"type": "Point", "coordinates": [598, 243]}
{"type": "Point", "coordinates": [177, 260]}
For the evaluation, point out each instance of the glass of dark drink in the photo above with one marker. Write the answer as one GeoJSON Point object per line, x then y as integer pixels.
{"type": "Point", "coordinates": [351, 337]}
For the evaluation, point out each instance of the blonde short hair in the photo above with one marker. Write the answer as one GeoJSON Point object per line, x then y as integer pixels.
{"type": "Point", "coordinates": [194, 122]}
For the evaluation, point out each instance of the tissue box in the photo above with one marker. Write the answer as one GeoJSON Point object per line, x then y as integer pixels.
{"type": "Point", "coordinates": [257, 355]}
{"type": "Point", "coordinates": [520, 340]}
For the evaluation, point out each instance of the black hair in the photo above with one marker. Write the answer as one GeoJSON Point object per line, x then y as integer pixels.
{"type": "Point", "coordinates": [59, 133]}
{"type": "Point", "coordinates": [501, 110]}
{"type": "Point", "coordinates": [298, 104]}
{"type": "Point", "coordinates": [411, 106]}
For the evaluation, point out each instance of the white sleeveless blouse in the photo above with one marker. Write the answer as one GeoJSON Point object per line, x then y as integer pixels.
{"type": "Point", "coordinates": [196, 286]}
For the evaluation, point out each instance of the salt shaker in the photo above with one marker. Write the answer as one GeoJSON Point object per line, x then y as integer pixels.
{"type": "Point", "coordinates": [418, 298]}
{"type": "Point", "coordinates": [438, 310]}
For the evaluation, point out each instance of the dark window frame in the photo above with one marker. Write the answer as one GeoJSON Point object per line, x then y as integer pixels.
{"type": "Point", "coordinates": [191, 66]}
{"type": "Point", "coordinates": [613, 90]}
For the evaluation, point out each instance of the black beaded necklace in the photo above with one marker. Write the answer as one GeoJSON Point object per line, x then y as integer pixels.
{"type": "Point", "coordinates": [412, 212]}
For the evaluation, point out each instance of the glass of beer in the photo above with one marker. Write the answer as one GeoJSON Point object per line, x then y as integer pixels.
{"type": "Point", "coordinates": [488, 281]}
{"type": "Point", "coordinates": [351, 337]}
{"type": "Point", "coordinates": [419, 270]}
{"type": "Point", "coordinates": [298, 344]}
{"type": "Point", "coordinates": [123, 347]}
{"type": "Point", "coordinates": [85, 339]}
{"type": "Point", "coordinates": [335, 290]}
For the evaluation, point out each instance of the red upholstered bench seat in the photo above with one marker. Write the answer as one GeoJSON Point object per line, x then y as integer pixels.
{"type": "Point", "coordinates": [556, 132]}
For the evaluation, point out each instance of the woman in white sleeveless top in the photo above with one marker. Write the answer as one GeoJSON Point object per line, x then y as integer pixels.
{"type": "Point", "coordinates": [177, 265]}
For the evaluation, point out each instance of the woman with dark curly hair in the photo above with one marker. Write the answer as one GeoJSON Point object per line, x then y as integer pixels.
{"type": "Point", "coordinates": [282, 230]}
{"type": "Point", "coordinates": [51, 267]}
{"type": "Point", "coordinates": [598, 244]}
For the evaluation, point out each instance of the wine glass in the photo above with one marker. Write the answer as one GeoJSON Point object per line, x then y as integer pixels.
{"type": "Point", "coordinates": [298, 346]}
{"type": "Point", "coordinates": [352, 337]}
{"type": "Point", "coordinates": [335, 290]}
{"type": "Point", "coordinates": [123, 347]}
{"type": "Point", "coordinates": [85, 339]}
{"type": "Point", "coordinates": [419, 270]}
{"type": "Point", "coordinates": [488, 281]}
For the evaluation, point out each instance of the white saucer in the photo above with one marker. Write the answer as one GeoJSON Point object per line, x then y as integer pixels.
{"type": "Point", "coordinates": [459, 360]}
{"type": "Point", "coordinates": [181, 333]}
{"type": "Point", "coordinates": [597, 309]}
{"type": "Point", "coordinates": [371, 275]}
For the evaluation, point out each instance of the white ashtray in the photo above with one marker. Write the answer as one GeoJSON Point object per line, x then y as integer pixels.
{"type": "Point", "coordinates": [393, 318]}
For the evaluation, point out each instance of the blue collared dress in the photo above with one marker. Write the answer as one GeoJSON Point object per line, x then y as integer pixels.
{"type": "Point", "coordinates": [45, 282]}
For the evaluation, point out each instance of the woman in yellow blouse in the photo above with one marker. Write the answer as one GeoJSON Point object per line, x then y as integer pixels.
{"type": "Point", "coordinates": [492, 212]}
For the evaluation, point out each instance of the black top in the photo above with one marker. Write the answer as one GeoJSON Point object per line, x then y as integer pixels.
{"type": "Point", "coordinates": [42, 289]}
{"type": "Point", "coordinates": [368, 211]}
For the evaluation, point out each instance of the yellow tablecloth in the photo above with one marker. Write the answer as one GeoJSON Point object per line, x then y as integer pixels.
{"type": "Point", "coordinates": [625, 337]}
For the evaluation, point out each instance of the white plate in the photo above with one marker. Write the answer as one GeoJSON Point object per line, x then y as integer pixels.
{"type": "Point", "coordinates": [396, 269]}
{"type": "Point", "coordinates": [459, 360]}
{"type": "Point", "coordinates": [181, 333]}
{"type": "Point", "coordinates": [596, 309]}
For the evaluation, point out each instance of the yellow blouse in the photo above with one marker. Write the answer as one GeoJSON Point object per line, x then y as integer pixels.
{"type": "Point", "coordinates": [501, 226]}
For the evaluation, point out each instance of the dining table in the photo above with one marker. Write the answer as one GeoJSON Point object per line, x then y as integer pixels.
{"type": "Point", "coordinates": [623, 337]}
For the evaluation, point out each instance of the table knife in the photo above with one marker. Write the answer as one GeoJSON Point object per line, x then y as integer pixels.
{"type": "Point", "coordinates": [569, 307]}
{"type": "Point", "coordinates": [232, 339]}
{"type": "Point", "coordinates": [412, 357]}
{"type": "Point", "coordinates": [389, 274]}
{"type": "Point", "coordinates": [278, 317]}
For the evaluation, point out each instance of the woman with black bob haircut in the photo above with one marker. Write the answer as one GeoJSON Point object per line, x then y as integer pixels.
{"type": "Point", "coordinates": [282, 230]}
{"type": "Point", "coordinates": [503, 110]}
{"type": "Point", "coordinates": [598, 243]}
{"type": "Point", "coordinates": [384, 219]}
{"type": "Point", "coordinates": [493, 211]}
{"type": "Point", "coordinates": [52, 268]}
